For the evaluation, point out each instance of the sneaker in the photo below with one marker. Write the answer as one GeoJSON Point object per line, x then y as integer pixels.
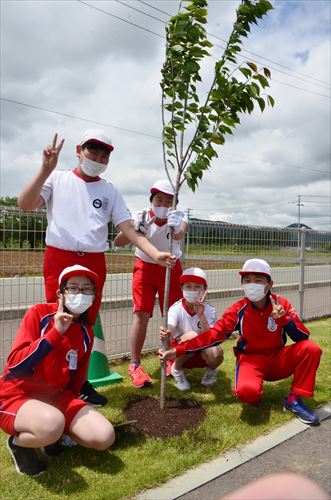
{"type": "Point", "coordinates": [25, 459]}
{"type": "Point", "coordinates": [54, 449]}
{"type": "Point", "coordinates": [301, 411]}
{"type": "Point", "coordinates": [138, 376]}
{"type": "Point", "coordinates": [209, 377]}
{"type": "Point", "coordinates": [170, 362]}
{"type": "Point", "coordinates": [181, 381]}
{"type": "Point", "coordinates": [91, 396]}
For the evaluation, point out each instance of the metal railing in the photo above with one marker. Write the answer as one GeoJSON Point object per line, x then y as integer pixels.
{"type": "Point", "coordinates": [301, 272]}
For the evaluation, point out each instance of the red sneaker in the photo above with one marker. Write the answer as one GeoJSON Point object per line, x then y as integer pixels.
{"type": "Point", "coordinates": [170, 362]}
{"type": "Point", "coordinates": [138, 376]}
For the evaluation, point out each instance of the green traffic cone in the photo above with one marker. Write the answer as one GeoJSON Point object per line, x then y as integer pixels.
{"type": "Point", "coordinates": [99, 372]}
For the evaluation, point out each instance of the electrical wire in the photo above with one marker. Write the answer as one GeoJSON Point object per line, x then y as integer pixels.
{"type": "Point", "coordinates": [67, 115]}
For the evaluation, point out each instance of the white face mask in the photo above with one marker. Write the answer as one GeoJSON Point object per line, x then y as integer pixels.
{"type": "Point", "coordinates": [191, 296]}
{"type": "Point", "coordinates": [92, 168]}
{"type": "Point", "coordinates": [254, 291]}
{"type": "Point", "coordinates": [78, 303]}
{"type": "Point", "coordinates": [160, 212]}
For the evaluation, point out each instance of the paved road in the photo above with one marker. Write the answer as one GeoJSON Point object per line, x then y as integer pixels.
{"type": "Point", "coordinates": [307, 453]}
{"type": "Point", "coordinates": [24, 291]}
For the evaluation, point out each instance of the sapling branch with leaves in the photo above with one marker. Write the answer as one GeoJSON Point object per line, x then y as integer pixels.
{"type": "Point", "coordinates": [195, 125]}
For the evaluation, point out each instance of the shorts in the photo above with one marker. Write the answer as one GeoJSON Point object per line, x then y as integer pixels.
{"type": "Point", "coordinates": [56, 259]}
{"type": "Point", "coordinates": [66, 402]}
{"type": "Point", "coordinates": [196, 361]}
{"type": "Point", "coordinates": [149, 279]}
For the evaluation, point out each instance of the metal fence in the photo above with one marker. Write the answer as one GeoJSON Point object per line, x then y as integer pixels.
{"type": "Point", "coordinates": [300, 261]}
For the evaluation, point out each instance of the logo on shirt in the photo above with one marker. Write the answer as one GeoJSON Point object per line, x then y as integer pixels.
{"type": "Point", "coordinates": [97, 203]}
{"type": "Point", "coordinates": [199, 325]}
{"type": "Point", "coordinates": [272, 326]}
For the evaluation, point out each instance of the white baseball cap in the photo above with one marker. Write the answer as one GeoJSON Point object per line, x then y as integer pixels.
{"type": "Point", "coordinates": [257, 266]}
{"type": "Point", "coordinates": [162, 186]}
{"type": "Point", "coordinates": [78, 270]}
{"type": "Point", "coordinates": [193, 275]}
{"type": "Point", "coordinates": [97, 135]}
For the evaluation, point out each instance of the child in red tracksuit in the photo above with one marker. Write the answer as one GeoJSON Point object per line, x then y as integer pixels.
{"type": "Point", "coordinates": [263, 321]}
{"type": "Point", "coordinates": [40, 386]}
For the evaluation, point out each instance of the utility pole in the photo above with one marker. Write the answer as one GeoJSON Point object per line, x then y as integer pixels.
{"type": "Point", "coordinates": [299, 220]}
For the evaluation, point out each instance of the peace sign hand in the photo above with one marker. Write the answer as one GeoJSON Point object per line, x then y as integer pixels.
{"type": "Point", "coordinates": [199, 306]}
{"type": "Point", "coordinates": [62, 320]}
{"type": "Point", "coordinates": [277, 310]}
{"type": "Point", "coordinates": [143, 221]}
{"type": "Point", "coordinates": [51, 155]}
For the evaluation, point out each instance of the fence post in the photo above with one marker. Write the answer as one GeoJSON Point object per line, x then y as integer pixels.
{"type": "Point", "coordinates": [302, 272]}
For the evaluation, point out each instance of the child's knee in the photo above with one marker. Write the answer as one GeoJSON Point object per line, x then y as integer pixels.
{"type": "Point", "coordinates": [248, 393]}
{"type": "Point", "coordinates": [51, 426]}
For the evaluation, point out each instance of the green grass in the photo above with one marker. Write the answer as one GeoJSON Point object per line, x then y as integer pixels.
{"type": "Point", "coordinates": [135, 462]}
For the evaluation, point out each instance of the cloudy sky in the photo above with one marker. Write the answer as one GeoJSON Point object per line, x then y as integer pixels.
{"type": "Point", "coordinates": [97, 64]}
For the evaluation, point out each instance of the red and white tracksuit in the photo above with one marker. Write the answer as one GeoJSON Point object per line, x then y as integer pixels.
{"type": "Point", "coordinates": [261, 352]}
{"type": "Point", "coordinates": [78, 213]}
{"type": "Point", "coordinates": [40, 365]}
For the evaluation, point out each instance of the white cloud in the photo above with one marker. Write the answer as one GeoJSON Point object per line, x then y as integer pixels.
{"type": "Point", "coordinates": [71, 58]}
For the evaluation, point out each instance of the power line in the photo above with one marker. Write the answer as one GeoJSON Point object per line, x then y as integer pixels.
{"type": "Point", "coordinates": [222, 47]}
{"type": "Point", "coordinates": [78, 117]}
{"type": "Point", "coordinates": [244, 50]}
{"type": "Point", "coordinates": [120, 19]}
{"type": "Point", "coordinates": [67, 115]}
{"type": "Point", "coordinates": [162, 36]}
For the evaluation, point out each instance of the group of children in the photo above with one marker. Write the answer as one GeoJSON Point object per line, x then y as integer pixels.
{"type": "Point", "coordinates": [44, 392]}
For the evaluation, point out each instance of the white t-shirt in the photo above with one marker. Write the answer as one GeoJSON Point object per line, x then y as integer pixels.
{"type": "Point", "coordinates": [159, 237]}
{"type": "Point", "coordinates": [78, 211]}
{"type": "Point", "coordinates": [183, 320]}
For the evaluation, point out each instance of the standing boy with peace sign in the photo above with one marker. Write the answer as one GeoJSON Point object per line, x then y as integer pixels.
{"type": "Point", "coordinates": [263, 320]}
{"type": "Point", "coordinates": [80, 204]}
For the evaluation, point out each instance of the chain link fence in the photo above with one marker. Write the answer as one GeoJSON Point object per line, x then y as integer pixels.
{"type": "Point", "coordinates": [300, 260]}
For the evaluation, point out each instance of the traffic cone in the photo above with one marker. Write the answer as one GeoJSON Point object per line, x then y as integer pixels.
{"type": "Point", "coordinates": [99, 372]}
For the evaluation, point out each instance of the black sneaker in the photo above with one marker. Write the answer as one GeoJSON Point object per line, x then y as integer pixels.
{"type": "Point", "coordinates": [25, 459]}
{"type": "Point", "coordinates": [91, 396]}
{"type": "Point", "coordinates": [53, 450]}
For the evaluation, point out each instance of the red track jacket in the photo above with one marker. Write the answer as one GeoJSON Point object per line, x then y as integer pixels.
{"type": "Point", "coordinates": [38, 365]}
{"type": "Point", "coordinates": [258, 332]}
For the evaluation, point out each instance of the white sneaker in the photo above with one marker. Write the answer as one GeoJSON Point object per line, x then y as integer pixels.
{"type": "Point", "coordinates": [181, 381]}
{"type": "Point", "coordinates": [209, 377]}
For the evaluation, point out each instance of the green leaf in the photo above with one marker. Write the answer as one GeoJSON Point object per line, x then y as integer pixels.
{"type": "Point", "coordinates": [177, 48]}
{"type": "Point", "coordinates": [271, 100]}
{"type": "Point", "coordinates": [245, 71]}
{"type": "Point", "coordinates": [261, 103]}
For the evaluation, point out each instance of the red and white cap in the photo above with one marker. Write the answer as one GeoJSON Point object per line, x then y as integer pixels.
{"type": "Point", "coordinates": [257, 266]}
{"type": "Point", "coordinates": [162, 186]}
{"type": "Point", "coordinates": [78, 270]}
{"type": "Point", "coordinates": [193, 275]}
{"type": "Point", "coordinates": [97, 135]}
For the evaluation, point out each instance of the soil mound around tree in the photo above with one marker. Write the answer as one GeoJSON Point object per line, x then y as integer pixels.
{"type": "Point", "coordinates": [177, 416]}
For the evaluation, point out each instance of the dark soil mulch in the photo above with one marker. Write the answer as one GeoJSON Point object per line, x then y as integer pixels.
{"type": "Point", "coordinates": [178, 416]}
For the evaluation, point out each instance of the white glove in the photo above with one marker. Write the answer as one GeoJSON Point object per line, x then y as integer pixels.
{"type": "Point", "coordinates": [174, 219]}
{"type": "Point", "coordinates": [143, 221]}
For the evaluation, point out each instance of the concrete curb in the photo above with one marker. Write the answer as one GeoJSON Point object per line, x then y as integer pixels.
{"type": "Point", "coordinates": [194, 478]}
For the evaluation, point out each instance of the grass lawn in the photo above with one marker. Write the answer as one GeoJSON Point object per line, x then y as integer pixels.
{"type": "Point", "coordinates": [135, 462]}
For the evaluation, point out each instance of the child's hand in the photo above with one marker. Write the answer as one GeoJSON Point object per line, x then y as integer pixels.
{"type": "Point", "coordinates": [51, 155]}
{"type": "Point", "coordinates": [164, 334]}
{"type": "Point", "coordinates": [277, 310]}
{"type": "Point", "coordinates": [62, 320]}
{"type": "Point", "coordinates": [143, 221]}
{"type": "Point", "coordinates": [199, 307]}
{"type": "Point", "coordinates": [171, 354]}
